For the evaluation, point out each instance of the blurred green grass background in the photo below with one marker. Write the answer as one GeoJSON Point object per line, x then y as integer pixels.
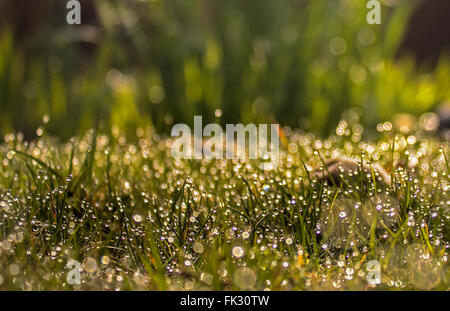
{"type": "Point", "coordinates": [159, 62]}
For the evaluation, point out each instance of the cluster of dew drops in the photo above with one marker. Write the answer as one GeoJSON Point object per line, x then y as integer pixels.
{"type": "Point", "coordinates": [133, 217]}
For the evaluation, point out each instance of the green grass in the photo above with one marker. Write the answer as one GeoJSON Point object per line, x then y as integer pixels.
{"type": "Point", "coordinates": [162, 62]}
{"type": "Point", "coordinates": [138, 219]}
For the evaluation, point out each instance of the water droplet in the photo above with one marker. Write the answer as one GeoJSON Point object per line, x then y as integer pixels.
{"type": "Point", "coordinates": [45, 118]}
{"type": "Point", "coordinates": [244, 278]}
{"type": "Point", "coordinates": [198, 247]}
{"type": "Point", "coordinates": [105, 260]}
{"type": "Point", "coordinates": [138, 218]}
{"type": "Point", "coordinates": [14, 269]}
{"type": "Point", "coordinates": [90, 265]}
{"type": "Point", "coordinates": [237, 251]}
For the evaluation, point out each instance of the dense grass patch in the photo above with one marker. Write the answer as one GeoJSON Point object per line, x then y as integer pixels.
{"type": "Point", "coordinates": [138, 219]}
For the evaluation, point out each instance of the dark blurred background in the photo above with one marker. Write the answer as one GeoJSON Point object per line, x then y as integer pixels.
{"type": "Point", "coordinates": [159, 62]}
